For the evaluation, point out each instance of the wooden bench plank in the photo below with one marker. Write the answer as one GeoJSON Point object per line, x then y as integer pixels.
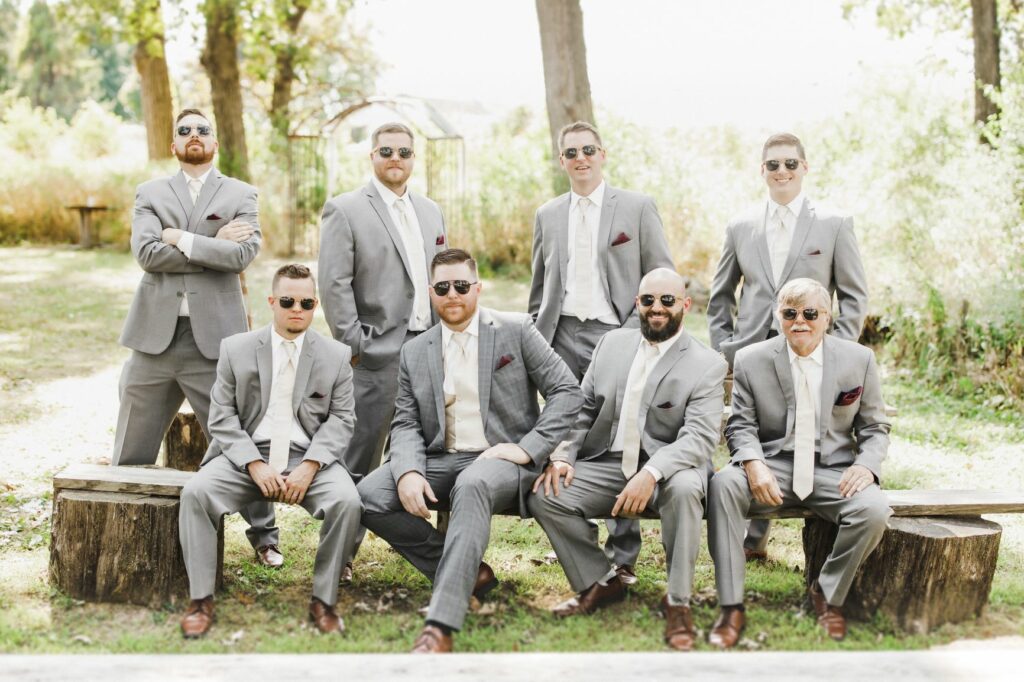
{"type": "Point", "coordinates": [145, 480]}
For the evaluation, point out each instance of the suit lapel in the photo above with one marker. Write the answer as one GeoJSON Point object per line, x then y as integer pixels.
{"type": "Point", "coordinates": [435, 366]}
{"type": "Point", "coordinates": [485, 353]}
{"type": "Point", "coordinates": [803, 228]}
{"type": "Point", "coordinates": [378, 205]}
{"type": "Point", "coordinates": [785, 375]}
{"type": "Point", "coordinates": [210, 188]}
{"type": "Point", "coordinates": [180, 186]}
{"type": "Point", "coordinates": [265, 365]}
{"type": "Point", "coordinates": [561, 221]}
{"type": "Point", "coordinates": [302, 370]}
{"type": "Point", "coordinates": [604, 235]}
{"type": "Point", "coordinates": [828, 386]}
{"type": "Point", "coordinates": [761, 240]}
{"type": "Point", "coordinates": [666, 363]}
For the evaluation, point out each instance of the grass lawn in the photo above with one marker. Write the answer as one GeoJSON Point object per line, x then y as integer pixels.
{"type": "Point", "coordinates": [68, 312]}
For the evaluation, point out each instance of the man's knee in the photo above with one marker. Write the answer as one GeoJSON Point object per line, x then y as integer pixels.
{"type": "Point", "coordinates": [684, 486]}
{"type": "Point", "coordinates": [730, 481]}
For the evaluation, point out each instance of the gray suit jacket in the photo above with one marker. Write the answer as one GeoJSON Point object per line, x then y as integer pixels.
{"type": "Point", "coordinates": [322, 397]}
{"type": "Point", "coordinates": [680, 410]}
{"type": "Point", "coordinates": [633, 243]}
{"type": "Point", "coordinates": [365, 279]}
{"type": "Point", "coordinates": [824, 248]}
{"type": "Point", "coordinates": [854, 428]}
{"type": "Point", "coordinates": [515, 361]}
{"type": "Point", "coordinates": [209, 279]}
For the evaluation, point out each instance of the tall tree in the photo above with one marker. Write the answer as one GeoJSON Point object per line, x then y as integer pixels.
{"type": "Point", "coordinates": [9, 16]}
{"type": "Point", "coordinates": [220, 60]}
{"type": "Point", "coordinates": [985, 22]}
{"type": "Point", "coordinates": [565, 69]}
{"type": "Point", "coordinates": [48, 64]}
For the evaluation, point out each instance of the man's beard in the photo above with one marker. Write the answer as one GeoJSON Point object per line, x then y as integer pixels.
{"type": "Point", "coordinates": [195, 156]}
{"type": "Point", "coordinates": [667, 332]}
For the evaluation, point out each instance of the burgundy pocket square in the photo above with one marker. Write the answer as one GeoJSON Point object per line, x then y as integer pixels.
{"type": "Point", "coordinates": [816, 252]}
{"type": "Point", "coordinates": [621, 239]}
{"type": "Point", "coordinates": [665, 406]}
{"type": "Point", "coordinates": [439, 241]}
{"type": "Point", "coordinates": [502, 361]}
{"type": "Point", "coordinates": [849, 397]}
{"type": "Point", "coordinates": [214, 216]}
{"type": "Point", "coordinates": [317, 395]}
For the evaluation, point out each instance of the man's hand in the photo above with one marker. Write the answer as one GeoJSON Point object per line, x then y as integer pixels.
{"type": "Point", "coordinates": [263, 475]}
{"type": "Point", "coordinates": [763, 483]}
{"type": "Point", "coordinates": [235, 231]}
{"type": "Point", "coordinates": [297, 482]}
{"type": "Point", "coordinates": [855, 479]}
{"type": "Point", "coordinates": [354, 361]}
{"type": "Point", "coordinates": [507, 451]}
{"type": "Point", "coordinates": [634, 497]}
{"type": "Point", "coordinates": [170, 235]}
{"type": "Point", "coordinates": [414, 491]}
{"type": "Point", "coordinates": [552, 474]}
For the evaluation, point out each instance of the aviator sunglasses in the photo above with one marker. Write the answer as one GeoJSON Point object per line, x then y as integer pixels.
{"type": "Point", "coordinates": [667, 300]}
{"type": "Point", "coordinates": [461, 287]}
{"type": "Point", "coordinates": [287, 302]}
{"type": "Point", "coordinates": [810, 314]}
{"type": "Point", "coordinates": [388, 152]}
{"type": "Point", "coordinates": [573, 152]}
{"type": "Point", "coordinates": [201, 130]}
{"type": "Point", "coordinates": [773, 164]}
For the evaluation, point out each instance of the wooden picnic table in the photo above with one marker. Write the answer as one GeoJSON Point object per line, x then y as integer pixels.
{"type": "Point", "coordinates": [86, 238]}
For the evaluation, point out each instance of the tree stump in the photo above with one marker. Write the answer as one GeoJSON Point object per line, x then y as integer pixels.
{"type": "Point", "coordinates": [119, 547]}
{"type": "Point", "coordinates": [926, 571]}
{"type": "Point", "coordinates": [185, 442]}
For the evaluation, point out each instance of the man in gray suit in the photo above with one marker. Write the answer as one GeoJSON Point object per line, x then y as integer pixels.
{"type": "Point", "coordinates": [192, 234]}
{"type": "Point", "coordinates": [771, 244]}
{"type": "Point", "coordinates": [468, 430]}
{"type": "Point", "coordinates": [808, 429]}
{"type": "Point", "coordinates": [591, 246]}
{"type": "Point", "coordinates": [375, 248]}
{"type": "Point", "coordinates": [281, 417]}
{"type": "Point", "coordinates": [651, 416]}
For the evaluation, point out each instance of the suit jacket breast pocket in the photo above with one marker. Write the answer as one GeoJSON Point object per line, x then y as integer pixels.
{"type": "Point", "coordinates": [209, 228]}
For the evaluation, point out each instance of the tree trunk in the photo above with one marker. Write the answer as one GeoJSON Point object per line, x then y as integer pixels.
{"type": "Point", "coordinates": [565, 70]}
{"type": "Point", "coordinates": [926, 571]}
{"type": "Point", "coordinates": [119, 547]}
{"type": "Point", "coordinates": [284, 70]}
{"type": "Point", "coordinates": [151, 63]}
{"type": "Point", "coordinates": [220, 60]}
{"type": "Point", "coordinates": [185, 442]}
{"type": "Point", "coordinates": [985, 22]}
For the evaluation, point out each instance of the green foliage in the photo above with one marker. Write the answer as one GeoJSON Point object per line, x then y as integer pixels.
{"type": "Point", "coordinates": [52, 71]}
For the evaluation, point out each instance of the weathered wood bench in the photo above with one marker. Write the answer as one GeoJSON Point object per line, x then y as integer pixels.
{"type": "Point", "coordinates": [114, 535]}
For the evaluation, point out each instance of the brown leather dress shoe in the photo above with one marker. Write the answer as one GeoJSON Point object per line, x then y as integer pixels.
{"type": "Point", "coordinates": [591, 599]}
{"type": "Point", "coordinates": [626, 574]}
{"type": "Point", "coordinates": [325, 617]}
{"type": "Point", "coordinates": [830, 617]}
{"type": "Point", "coordinates": [432, 640]}
{"type": "Point", "coordinates": [728, 627]}
{"type": "Point", "coordinates": [198, 618]}
{"type": "Point", "coordinates": [755, 555]}
{"type": "Point", "coordinates": [345, 579]}
{"type": "Point", "coordinates": [485, 581]}
{"type": "Point", "coordinates": [679, 631]}
{"type": "Point", "coordinates": [269, 556]}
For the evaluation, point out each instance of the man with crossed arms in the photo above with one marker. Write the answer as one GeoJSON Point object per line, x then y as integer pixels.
{"type": "Point", "coordinates": [651, 416]}
{"type": "Point", "coordinates": [467, 430]}
{"type": "Point", "coordinates": [591, 247]}
{"type": "Point", "coordinates": [808, 429]}
{"type": "Point", "coordinates": [281, 417]}
{"type": "Point", "coordinates": [771, 244]}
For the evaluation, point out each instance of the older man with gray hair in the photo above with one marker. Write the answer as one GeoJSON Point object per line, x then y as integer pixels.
{"type": "Point", "coordinates": [808, 429]}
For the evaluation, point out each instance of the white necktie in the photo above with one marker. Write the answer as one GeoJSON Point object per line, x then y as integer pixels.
{"type": "Point", "coordinates": [780, 247]}
{"type": "Point", "coordinates": [416, 262]}
{"type": "Point", "coordinates": [194, 188]}
{"type": "Point", "coordinates": [803, 447]}
{"type": "Point", "coordinates": [456, 369]}
{"type": "Point", "coordinates": [281, 408]}
{"type": "Point", "coordinates": [583, 245]}
{"type": "Point", "coordinates": [631, 409]}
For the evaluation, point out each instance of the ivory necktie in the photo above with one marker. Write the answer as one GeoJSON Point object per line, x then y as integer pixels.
{"type": "Point", "coordinates": [583, 245]}
{"type": "Point", "coordinates": [281, 409]}
{"type": "Point", "coordinates": [631, 408]}
{"type": "Point", "coordinates": [194, 188]}
{"type": "Point", "coordinates": [416, 262]}
{"type": "Point", "coordinates": [456, 364]}
{"type": "Point", "coordinates": [780, 247]}
{"type": "Point", "coordinates": [803, 447]}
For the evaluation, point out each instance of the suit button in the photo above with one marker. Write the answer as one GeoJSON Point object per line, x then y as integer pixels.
{"type": "Point", "coordinates": [408, 295]}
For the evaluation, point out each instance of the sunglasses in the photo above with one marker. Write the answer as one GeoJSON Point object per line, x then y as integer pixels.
{"type": "Point", "coordinates": [388, 152]}
{"type": "Point", "coordinates": [667, 300]}
{"type": "Point", "coordinates": [201, 131]}
{"type": "Point", "coordinates": [287, 302]}
{"type": "Point", "coordinates": [461, 287]}
{"type": "Point", "coordinates": [773, 164]}
{"type": "Point", "coordinates": [810, 314]}
{"type": "Point", "coordinates": [573, 152]}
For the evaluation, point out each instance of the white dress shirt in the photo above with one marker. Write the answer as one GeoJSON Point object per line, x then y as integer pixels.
{"type": "Point", "coordinates": [413, 245]}
{"type": "Point", "coordinates": [812, 367]}
{"type": "Point", "coordinates": [266, 426]}
{"type": "Point", "coordinates": [620, 431]}
{"type": "Point", "coordinates": [462, 410]}
{"type": "Point", "coordinates": [601, 307]}
{"type": "Point", "coordinates": [185, 240]}
{"type": "Point", "coordinates": [778, 249]}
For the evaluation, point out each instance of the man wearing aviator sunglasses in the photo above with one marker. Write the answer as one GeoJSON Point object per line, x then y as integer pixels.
{"type": "Point", "coordinates": [192, 234]}
{"type": "Point", "coordinates": [591, 247]}
{"type": "Point", "coordinates": [376, 243]}
{"type": "Point", "coordinates": [771, 244]}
